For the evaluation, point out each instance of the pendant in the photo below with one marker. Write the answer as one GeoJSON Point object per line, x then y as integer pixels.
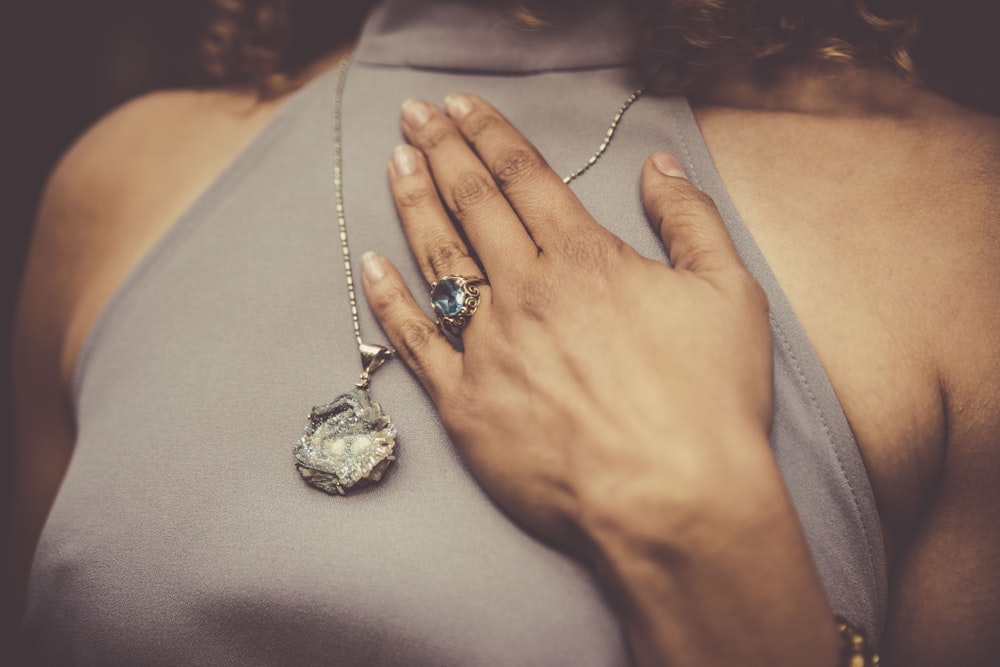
{"type": "Point", "coordinates": [349, 442]}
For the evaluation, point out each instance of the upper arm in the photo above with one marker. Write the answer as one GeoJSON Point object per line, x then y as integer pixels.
{"type": "Point", "coordinates": [43, 422]}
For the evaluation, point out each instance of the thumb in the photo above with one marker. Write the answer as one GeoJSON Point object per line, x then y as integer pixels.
{"type": "Point", "coordinates": [688, 222]}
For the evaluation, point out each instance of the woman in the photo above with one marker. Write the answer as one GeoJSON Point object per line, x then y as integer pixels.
{"type": "Point", "coordinates": [616, 409]}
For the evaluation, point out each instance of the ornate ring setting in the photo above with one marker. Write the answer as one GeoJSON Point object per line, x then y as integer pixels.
{"type": "Point", "coordinates": [455, 300]}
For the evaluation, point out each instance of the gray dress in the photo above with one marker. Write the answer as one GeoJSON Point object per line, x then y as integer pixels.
{"type": "Point", "coordinates": [183, 534]}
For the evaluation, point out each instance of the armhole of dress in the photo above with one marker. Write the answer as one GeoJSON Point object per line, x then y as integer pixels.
{"type": "Point", "coordinates": [791, 337]}
{"type": "Point", "coordinates": [178, 231]}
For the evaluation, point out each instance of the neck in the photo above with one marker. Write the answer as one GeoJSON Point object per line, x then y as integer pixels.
{"type": "Point", "coordinates": [816, 89]}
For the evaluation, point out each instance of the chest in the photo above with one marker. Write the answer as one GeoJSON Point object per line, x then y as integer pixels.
{"type": "Point", "coordinates": [855, 257]}
{"type": "Point", "coordinates": [258, 330]}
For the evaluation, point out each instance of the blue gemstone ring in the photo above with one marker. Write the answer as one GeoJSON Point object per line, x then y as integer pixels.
{"type": "Point", "coordinates": [454, 300]}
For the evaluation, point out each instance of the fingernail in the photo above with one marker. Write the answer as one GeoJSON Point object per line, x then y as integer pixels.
{"type": "Point", "coordinates": [668, 165]}
{"type": "Point", "coordinates": [415, 113]}
{"type": "Point", "coordinates": [372, 266]}
{"type": "Point", "coordinates": [457, 106]}
{"type": "Point", "coordinates": [404, 159]}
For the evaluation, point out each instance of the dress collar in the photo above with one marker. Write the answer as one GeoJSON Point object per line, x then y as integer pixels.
{"type": "Point", "coordinates": [478, 36]}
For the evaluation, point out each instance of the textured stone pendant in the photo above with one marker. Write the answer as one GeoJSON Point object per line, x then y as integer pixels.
{"type": "Point", "coordinates": [349, 442]}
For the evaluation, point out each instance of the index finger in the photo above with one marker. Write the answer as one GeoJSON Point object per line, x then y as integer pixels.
{"type": "Point", "coordinates": [543, 202]}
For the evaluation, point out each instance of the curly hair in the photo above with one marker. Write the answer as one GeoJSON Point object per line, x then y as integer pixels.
{"type": "Point", "coordinates": [264, 43]}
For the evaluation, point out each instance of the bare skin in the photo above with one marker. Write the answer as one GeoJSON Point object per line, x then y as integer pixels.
{"type": "Point", "coordinates": [888, 247]}
{"type": "Point", "coordinates": [878, 215]}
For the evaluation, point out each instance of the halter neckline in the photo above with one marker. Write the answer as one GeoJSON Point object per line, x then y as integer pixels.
{"type": "Point", "coordinates": [421, 34]}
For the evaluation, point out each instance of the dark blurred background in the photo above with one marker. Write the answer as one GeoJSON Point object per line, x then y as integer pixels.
{"type": "Point", "coordinates": [64, 64]}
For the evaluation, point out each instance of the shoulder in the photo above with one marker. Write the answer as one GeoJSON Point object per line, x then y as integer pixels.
{"type": "Point", "coordinates": [153, 139]}
{"type": "Point", "coordinates": [143, 148]}
{"type": "Point", "coordinates": [112, 194]}
{"type": "Point", "coordinates": [116, 190]}
{"type": "Point", "coordinates": [966, 145]}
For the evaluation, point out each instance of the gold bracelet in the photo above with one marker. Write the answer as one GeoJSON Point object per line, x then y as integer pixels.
{"type": "Point", "coordinates": [856, 651]}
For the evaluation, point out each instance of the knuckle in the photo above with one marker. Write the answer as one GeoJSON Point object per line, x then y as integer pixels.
{"type": "Point", "coordinates": [516, 165]}
{"type": "Point", "coordinates": [478, 124]}
{"type": "Point", "coordinates": [415, 337]}
{"type": "Point", "coordinates": [444, 256]}
{"type": "Point", "coordinates": [470, 190]}
{"type": "Point", "coordinates": [532, 304]}
{"type": "Point", "coordinates": [695, 256]}
{"type": "Point", "coordinates": [535, 300]}
{"type": "Point", "coordinates": [387, 296]}
{"type": "Point", "coordinates": [414, 197]}
{"type": "Point", "coordinates": [594, 253]}
{"type": "Point", "coordinates": [685, 202]}
{"type": "Point", "coordinates": [434, 134]}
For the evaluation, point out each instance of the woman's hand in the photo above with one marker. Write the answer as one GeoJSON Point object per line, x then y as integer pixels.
{"type": "Point", "coordinates": [588, 371]}
{"type": "Point", "coordinates": [614, 406]}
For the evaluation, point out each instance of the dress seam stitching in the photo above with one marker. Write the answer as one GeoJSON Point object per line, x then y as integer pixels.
{"type": "Point", "coordinates": [870, 556]}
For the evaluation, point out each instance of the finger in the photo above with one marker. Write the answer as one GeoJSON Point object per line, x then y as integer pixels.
{"type": "Point", "coordinates": [545, 204]}
{"type": "Point", "coordinates": [497, 236]}
{"type": "Point", "coordinates": [436, 244]}
{"type": "Point", "coordinates": [686, 218]}
{"type": "Point", "coordinates": [416, 338]}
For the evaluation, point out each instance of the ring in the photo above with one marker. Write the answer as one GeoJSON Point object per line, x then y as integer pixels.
{"type": "Point", "coordinates": [455, 300]}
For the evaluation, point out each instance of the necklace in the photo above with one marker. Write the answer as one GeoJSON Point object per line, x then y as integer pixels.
{"type": "Point", "coordinates": [351, 441]}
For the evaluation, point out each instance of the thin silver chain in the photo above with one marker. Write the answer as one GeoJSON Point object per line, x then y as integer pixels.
{"type": "Point", "coordinates": [339, 189]}
{"type": "Point", "coordinates": [636, 94]}
{"type": "Point", "coordinates": [338, 193]}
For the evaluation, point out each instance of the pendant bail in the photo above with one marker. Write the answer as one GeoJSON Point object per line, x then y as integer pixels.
{"type": "Point", "coordinates": [372, 356]}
